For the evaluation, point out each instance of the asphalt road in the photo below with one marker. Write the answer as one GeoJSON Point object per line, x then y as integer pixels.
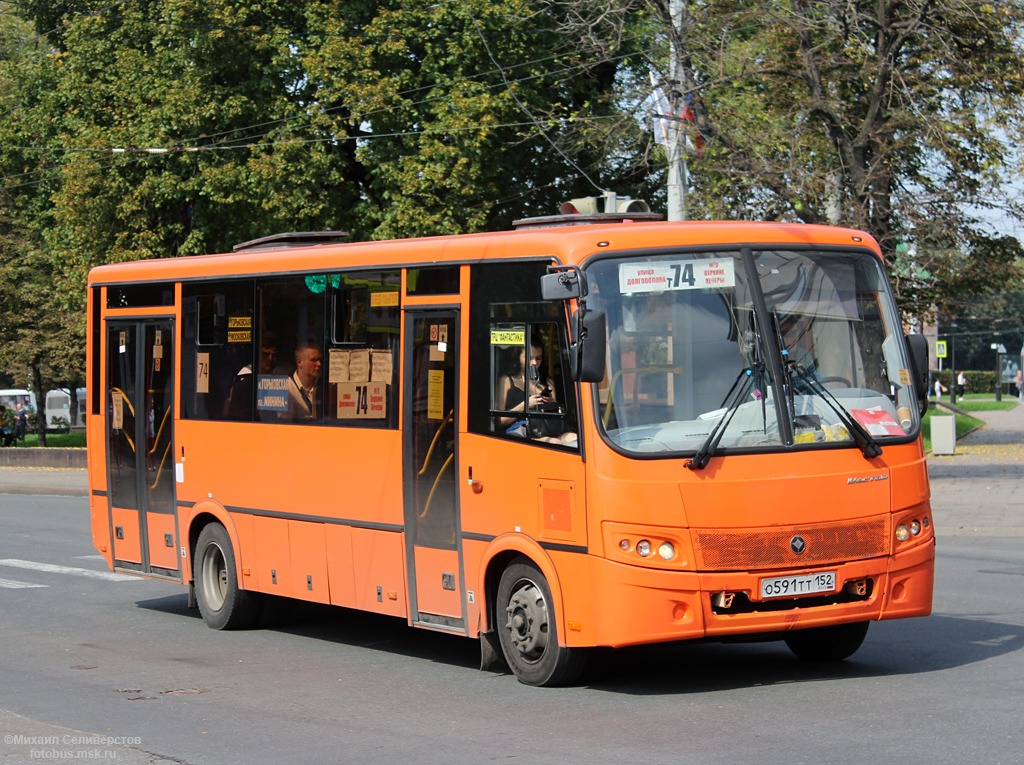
{"type": "Point", "coordinates": [122, 665]}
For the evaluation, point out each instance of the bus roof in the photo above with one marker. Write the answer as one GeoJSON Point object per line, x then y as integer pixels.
{"type": "Point", "coordinates": [569, 244]}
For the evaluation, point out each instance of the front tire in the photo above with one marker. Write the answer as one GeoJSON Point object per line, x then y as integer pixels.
{"type": "Point", "coordinates": [222, 603]}
{"type": "Point", "coordinates": [824, 644]}
{"type": "Point", "coordinates": [528, 631]}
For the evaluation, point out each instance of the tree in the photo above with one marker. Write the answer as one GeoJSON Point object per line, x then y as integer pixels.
{"type": "Point", "coordinates": [895, 117]}
{"type": "Point", "coordinates": [42, 343]}
{"type": "Point", "coordinates": [383, 119]}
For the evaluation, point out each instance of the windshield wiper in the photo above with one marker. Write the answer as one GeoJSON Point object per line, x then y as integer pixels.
{"type": "Point", "coordinates": [865, 441]}
{"type": "Point", "coordinates": [737, 393]}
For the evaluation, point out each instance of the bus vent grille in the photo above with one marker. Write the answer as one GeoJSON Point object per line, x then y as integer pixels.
{"type": "Point", "coordinates": [771, 548]}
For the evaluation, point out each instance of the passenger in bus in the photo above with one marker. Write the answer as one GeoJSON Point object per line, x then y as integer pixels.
{"type": "Point", "coordinates": [510, 392]}
{"type": "Point", "coordinates": [304, 401]}
{"type": "Point", "coordinates": [239, 403]}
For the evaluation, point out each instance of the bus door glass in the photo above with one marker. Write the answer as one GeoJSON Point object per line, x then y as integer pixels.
{"type": "Point", "coordinates": [140, 416]}
{"type": "Point", "coordinates": [433, 549]}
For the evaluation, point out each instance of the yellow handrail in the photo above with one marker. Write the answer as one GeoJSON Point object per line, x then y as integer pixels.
{"type": "Point", "coordinates": [160, 467]}
{"type": "Point", "coordinates": [156, 438]}
{"type": "Point", "coordinates": [124, 397]}
{"type": "Point", "coordinates": [440, 427]}
{"type": "Point", "coordinates": [426, 505]}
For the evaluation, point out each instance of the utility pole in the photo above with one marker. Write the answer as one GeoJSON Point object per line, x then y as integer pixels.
{"type": "Point", "coordinates": [675, 138]}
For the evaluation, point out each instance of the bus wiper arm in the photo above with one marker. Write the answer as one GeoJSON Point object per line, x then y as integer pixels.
{"type": "Point", "coordinates": [735, 397]}
{"type": "Point", "coordinates": [865, 441]}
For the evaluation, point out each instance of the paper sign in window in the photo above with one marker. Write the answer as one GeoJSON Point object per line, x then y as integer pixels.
{"type": "Point", "coordinates": [435, 394]}
{"type": "Point", "coordinates": [202, 373]}
{"type": "Point", "coordinates": [382, 364]}
{"type": "Point", "coordinates": [362, 401]}
{"type": "Point", "coordinates": [359, 366]}
{"type": "Point", "coordinates": [117, 410]}
{"type": "Point", "coordinates": [337, 371]}
{"type": "Point", "coordinates": [272, 393]}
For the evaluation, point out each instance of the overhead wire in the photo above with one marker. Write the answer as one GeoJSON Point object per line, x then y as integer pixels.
{"type": "Point", "coordinates": [523, 106]}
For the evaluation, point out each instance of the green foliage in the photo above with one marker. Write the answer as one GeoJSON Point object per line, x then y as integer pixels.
{"type": "Point", "coordinates": [881, 116]}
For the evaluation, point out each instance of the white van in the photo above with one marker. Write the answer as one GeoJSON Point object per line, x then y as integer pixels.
{"type": "Point", "coordinates": [11, 397]}
{"type": "Point", "coordinates": [58, 404]}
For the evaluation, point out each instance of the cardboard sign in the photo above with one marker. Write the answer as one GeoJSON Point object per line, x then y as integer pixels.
{"type": "Point", "coordinates": [202, 373]}
{"type": "Point", "coordinates": [362, 401]}
{"type": "Point", "coordinates": [337, 366]}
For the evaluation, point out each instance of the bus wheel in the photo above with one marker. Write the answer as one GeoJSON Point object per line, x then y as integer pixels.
{"type": "Point", "coordinates": [223, 605]}
{"type": "Point", "coordinates": [827, 643]}
{"type": "Point", "coordinates": [528, 631]}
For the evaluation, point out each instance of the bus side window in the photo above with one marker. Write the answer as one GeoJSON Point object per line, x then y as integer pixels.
{"type": "Point", "coordinates": [291, 313]}
{"type": "Point", "coordinates": [528, 374]}
{"type": "Point", "coordinates": [361, 364]}
{"type": "Point", "coordinates": [217, 347]}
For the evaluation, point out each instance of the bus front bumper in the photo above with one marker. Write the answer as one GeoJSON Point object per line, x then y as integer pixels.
{"type": "Point", "coordinates": [635, 605]}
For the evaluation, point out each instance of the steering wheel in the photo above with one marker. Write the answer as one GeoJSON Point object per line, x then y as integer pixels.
{"type": "Point", "coordinates": [843, 380]}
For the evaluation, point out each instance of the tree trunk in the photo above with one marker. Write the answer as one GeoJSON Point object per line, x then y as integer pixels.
{"type": "Point", "coordinates": [37, 387]}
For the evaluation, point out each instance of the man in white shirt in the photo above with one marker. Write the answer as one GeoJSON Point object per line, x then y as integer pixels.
{"type": "Point", "coordinates": [303, 386]}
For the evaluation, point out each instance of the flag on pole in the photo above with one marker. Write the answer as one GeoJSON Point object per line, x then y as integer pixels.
{"type": "Point", "coordinates": [663, 116]}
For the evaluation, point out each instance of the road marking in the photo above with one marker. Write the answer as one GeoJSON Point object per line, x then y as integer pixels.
{"type": "Point", "coordinates": [14, 584]}
{"type": "Point", "coordinates": [49, 568]}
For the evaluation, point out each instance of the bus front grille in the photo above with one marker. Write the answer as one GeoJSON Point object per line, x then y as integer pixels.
{"type": "Point", "coordinates": [745, 550]}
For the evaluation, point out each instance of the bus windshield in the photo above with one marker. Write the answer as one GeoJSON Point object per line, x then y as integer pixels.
{"type": "Point", "coordinates": [751, 349]}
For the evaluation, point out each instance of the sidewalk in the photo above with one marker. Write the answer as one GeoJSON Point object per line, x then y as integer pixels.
{"type": "Point", "coordinates": [61, 482]}
{"type": "Point", "coordinates": [977, 491]}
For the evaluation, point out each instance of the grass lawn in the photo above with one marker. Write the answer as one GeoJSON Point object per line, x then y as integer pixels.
{"type": "Point", "coordinates": [982, 405]}
{"type": "Point", "coordinates": [57, 440]}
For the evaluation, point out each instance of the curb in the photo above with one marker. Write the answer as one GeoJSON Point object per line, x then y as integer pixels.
{"type": "Point", "coordinates": [44, 491]}
{"type": "Point", "coordinates": [35, 456]}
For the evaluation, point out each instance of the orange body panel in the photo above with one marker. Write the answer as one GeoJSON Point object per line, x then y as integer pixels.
{"type": "Point", "coordinates": [378, 567]}
{"type": "Point", "coordinates": [307, 544]}
{"type": "Point", "coordinates": [338, 539]}
{"type": "Point", "coordinates": [432, 596]}
{"type": "Point", "coordinates": [273, 556]}
{"type": "Point", "coordinates": [127, 537]}
{"type": "Point", "coordinates": [161, 554]}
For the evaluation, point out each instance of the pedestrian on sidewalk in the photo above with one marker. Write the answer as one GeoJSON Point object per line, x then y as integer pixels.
{"type": "Point", "coordinates": [20, 422]}
{"type": "Point", "coordinates": [6, 434]}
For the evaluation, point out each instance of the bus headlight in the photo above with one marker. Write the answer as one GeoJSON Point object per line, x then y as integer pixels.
{"type": "Point", "coordinates": [643, 548]}
{"type": "Point", "coordinates": [902, 533]}
{"type": "Point", "coordinates": [915, 527]}
{"type": "Point", "coordinates": [667, 551]}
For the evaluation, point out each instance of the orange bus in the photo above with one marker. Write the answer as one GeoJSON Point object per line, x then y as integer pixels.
{"type": "Point", "coordinates": [548, 439]}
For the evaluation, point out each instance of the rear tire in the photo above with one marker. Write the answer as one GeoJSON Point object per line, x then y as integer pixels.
{"type": "Point", "coordinates": [827, 643]}
{"type": "Point", "coordinates": [527, 628]}
{"type": "Point", "coordinates": [222, 603]}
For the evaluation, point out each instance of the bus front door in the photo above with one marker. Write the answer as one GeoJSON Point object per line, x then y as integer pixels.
{"type": "Point", "coordinates": [140, 461]}
{"type": "Point", "coordinates": [432, 542]}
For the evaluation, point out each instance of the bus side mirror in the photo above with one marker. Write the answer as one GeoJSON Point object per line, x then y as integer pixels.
{"type": "Point", "coordinates": [917, 345]}
{"type": "Point", "coordinates": [592, 352]}
{"type": "Point", "coordinates": [562, 285]}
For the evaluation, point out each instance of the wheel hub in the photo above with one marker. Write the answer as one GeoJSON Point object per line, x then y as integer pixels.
{"type": "Point", "coordinates": [527, 621]}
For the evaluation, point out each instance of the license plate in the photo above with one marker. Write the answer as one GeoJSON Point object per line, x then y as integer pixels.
{"type": "Point", "coordinates": [791, 586]}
